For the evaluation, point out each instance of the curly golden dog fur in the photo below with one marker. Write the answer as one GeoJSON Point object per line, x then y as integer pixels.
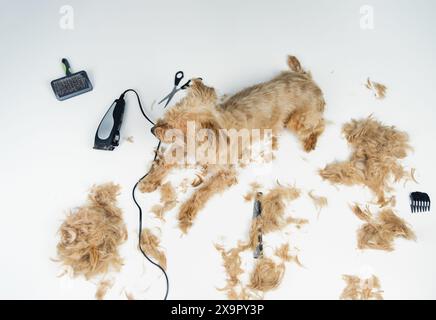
{"type": "Point", "coordinates": [379, 232]}
{"type": "Point", "coordinates": [361, 289]}
{"type": "Point", "coordinates": [377, 151]}
{"type": "Point", "coordinates": [91, 235]}
{"type": "Point", "coordinates": [291, 100]}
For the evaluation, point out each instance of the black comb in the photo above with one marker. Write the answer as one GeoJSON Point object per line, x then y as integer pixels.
{"type": "Point", "coordinates": [419, 202]}
{"type": "Point", "coordinates": [72, 84]}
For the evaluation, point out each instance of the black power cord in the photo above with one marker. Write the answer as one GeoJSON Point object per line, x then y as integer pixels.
{"type": "Point", "coordinates": [136, 202]}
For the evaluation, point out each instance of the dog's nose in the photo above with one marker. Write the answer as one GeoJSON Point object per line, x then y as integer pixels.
{"type": "Point", "coordinates": [152, 130]}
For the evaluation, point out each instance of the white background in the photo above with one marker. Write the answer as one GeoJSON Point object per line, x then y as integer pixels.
{"type": "Point", "coordinates": [47, 163]}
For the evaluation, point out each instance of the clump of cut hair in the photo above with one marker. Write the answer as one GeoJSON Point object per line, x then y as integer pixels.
{"type": "Point", "coordinates": [283, 253]}
{"type": "Point", "coordinates": [150, 244]}
{"type": "Point", "coordinates": [361, 289]}
{"type": "Point", "coordinates": [267, 275]}
{"type": "Point", "coordinates": [91, 235]}
{"type": "Point", "coordinates": [318, 201]}
{"type": "Point", "coordinates": [232, 264]}
{"type": "Point", "coordinates": [103, 288]}
{"type": "Point", "coordinates": [168, 199]}
{"type": "Point", "coordinates": [273, 207]}
{"type": "Point", "coordinates": [377, 150]}
{"type": "Point", "coordinates": [378, 89]}
{"type": "Point", "coordinates": [380, 232]}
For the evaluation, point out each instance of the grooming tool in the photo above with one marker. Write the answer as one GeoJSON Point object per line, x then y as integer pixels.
{"type": "Point", "coordinates": [73, 84]}
{"type": "Point", "coordinates": [419, 202]}
{"type": "Point", "coordinates": [107, 136]}
{"type": "Point", "coordinates": [178, 77]}
{"type": "Point", "coordinates": [257, 212]}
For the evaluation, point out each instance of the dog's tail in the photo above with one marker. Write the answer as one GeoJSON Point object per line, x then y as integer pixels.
{"type": "Point", "coordinates": [295, 65]}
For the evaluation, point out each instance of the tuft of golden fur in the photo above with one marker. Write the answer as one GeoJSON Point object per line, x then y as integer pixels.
{"type": "Point", "coordinates": [377, 150]}
{"type": "Point", "coordinates": [380, 232]}
{"type": "Point", "coordinates": [150, 243]}
{"type": "Point", "coordinates": [361, 289]}
{"type": "Point", "coordinates": [168, 199]}
{"type": "Point", "coordinates": [378, 89]}
{"type": "Point", "coordinates": [103, 288]}
{"type": "Point", "coordinates": [291, 100]}
{"type": "Point", "coordinates": [90, 236]}
{"type": "Point", "coordinates": [267, 275]}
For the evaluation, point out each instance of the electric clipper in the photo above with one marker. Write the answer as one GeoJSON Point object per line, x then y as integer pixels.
{"type": "Point", "coordinates": [107, 136]}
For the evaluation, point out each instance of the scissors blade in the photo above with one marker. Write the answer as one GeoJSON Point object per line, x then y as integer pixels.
{"type": "Point", "coordinates": [169, 96]}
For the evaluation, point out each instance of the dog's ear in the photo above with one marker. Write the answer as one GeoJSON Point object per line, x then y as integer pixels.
{"type": "Point", "coordinates": [202, 93]}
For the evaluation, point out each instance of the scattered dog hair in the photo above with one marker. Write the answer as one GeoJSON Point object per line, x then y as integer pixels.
{"type": "Point", "coordinates": [232, 265]}
{"type": "Point", "coordinates": [283, 253]}
{"type": "Point", "coordinates": [266, 274]}
{"type": "Point", "coordinates": [129, 295]}
{"type": "Point", "coordinates": [91, 235]}
{"type": "Point", "coordinates": [273, 208]}
{"type": "Point", "coordinates": [378, 89]}
{"type": "Point", "coordinates": [411, 177]}
{"type": "Point", "coordinates": [380, 232]}
{"type": "Point", "coordinates": [318, 201]}
{"type": "Point", "coordinates": [361, 289]}
{"type": "Point", "coordinates": [254, 189]}
{"type": "Point", "coordinates": [103, 288]}
{"type": "Point", "coordinates": [377, 150]}
{"type": "Point", "coordinates": [168, 199]}
{"type": "Point", "coordinates": [130, 139]}
{"type": "Point", "coordinates": [150, 243]}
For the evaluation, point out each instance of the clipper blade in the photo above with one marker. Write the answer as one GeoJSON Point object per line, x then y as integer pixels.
{"type": "Point", "coordinates": [419, 202]}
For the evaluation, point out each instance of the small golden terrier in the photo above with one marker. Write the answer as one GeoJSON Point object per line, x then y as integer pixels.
{"type": "Point", "coordinates": [291, 100]}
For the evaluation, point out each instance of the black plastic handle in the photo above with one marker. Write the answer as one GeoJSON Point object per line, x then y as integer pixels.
{"type": "Point", "coordinates": [179, 76]}
{"type": "Point", "coordinates": [67, 66]}
{"type": "Point", "coordinates": [186, 85]}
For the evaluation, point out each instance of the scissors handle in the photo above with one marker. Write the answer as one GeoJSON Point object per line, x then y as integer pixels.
{"type": "Point", "coordinates": [179, 76]}
{"type": "Point", "coordinates": [186, 85]}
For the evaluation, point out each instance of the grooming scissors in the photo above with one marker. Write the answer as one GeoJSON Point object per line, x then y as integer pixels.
{"type": "Point", "coordinates": [178, 77]}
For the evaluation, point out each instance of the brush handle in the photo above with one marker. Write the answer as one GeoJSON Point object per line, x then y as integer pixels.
{"type": "Point", "coordinates": [67, 66]}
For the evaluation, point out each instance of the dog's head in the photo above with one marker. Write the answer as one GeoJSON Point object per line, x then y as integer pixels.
{"type": "Point", "coordinates": [198, 106]}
